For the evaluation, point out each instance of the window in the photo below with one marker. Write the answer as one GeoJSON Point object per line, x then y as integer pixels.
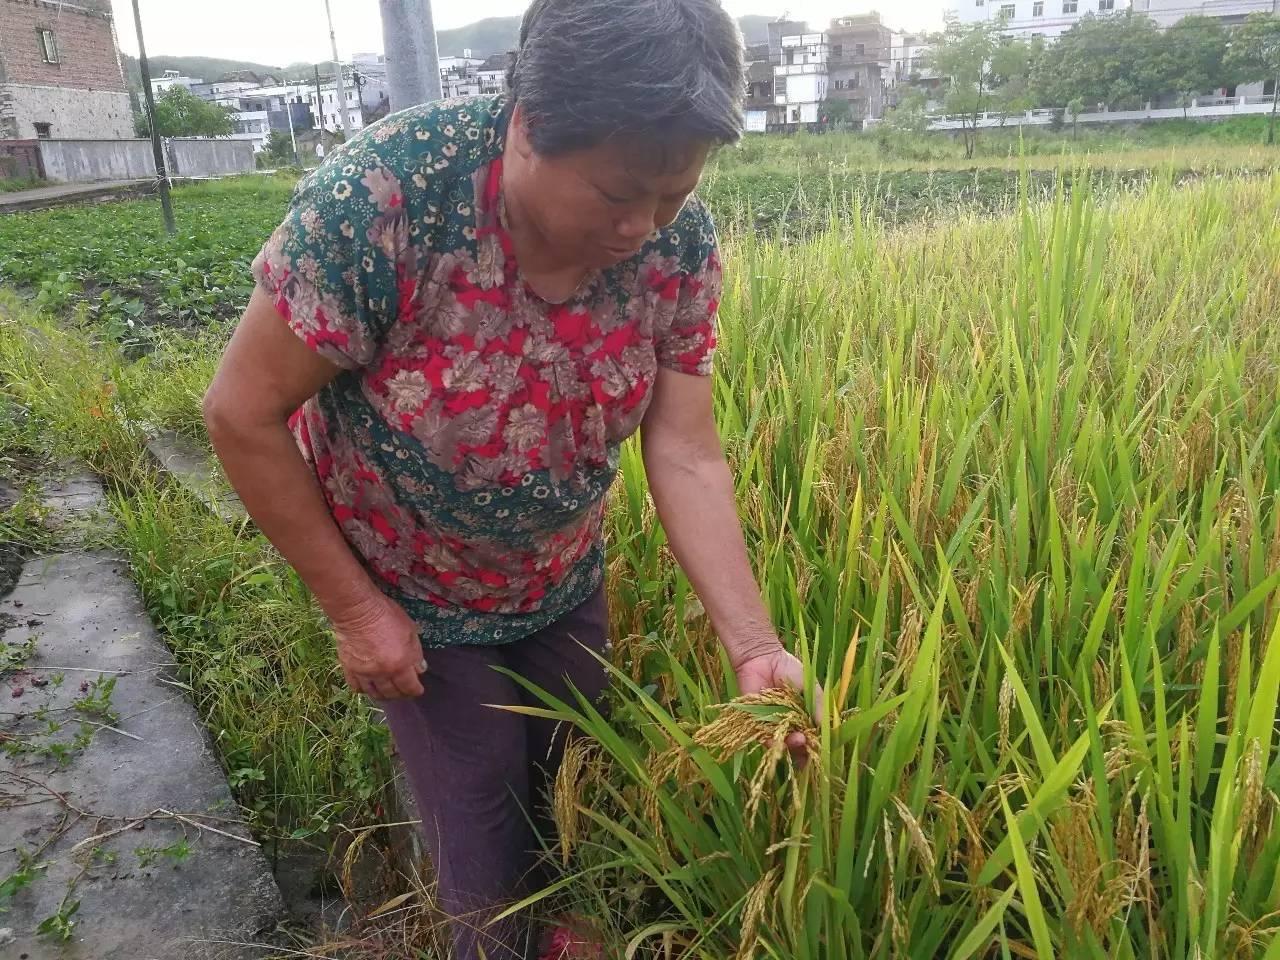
{"type": "Point", "coordinates": [48, 45]}
{"type": "Point", "coordinates": [44, 131]}
{"type": "Point", "coordinates": [1008, 10]}
{"type": "Point", "coordinates": [1105, 6]}
{"type": "Point", "coordinates": [977, 3]}
{"type": "Point", "coordinates": [860, 49]}
{"type": "Point", "coordinates": [1037, 8]}
{"type": "Point", "coordinates": [1070, 6]}
{"type": "Point", "coordinates": [856, 81]}
{"type": "Point", "coordinates": [837, 51]}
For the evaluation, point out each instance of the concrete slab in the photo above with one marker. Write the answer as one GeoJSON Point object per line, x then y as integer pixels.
{"type": "Point", "coordinates": [21, 201]}
{"type": "Point", "coordinates": [190, 465]}
{"type": "Point", "coordinates": [72, 498]}
{"type": "Point", "coordinates": [142, 779]}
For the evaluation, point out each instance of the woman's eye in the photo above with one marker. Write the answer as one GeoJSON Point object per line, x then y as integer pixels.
{"type": "Point", "coordinates": [612, 199]}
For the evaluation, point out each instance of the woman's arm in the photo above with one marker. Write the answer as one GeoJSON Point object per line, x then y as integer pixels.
{"type": "Point", "coordinates": [266, 373]}
{"type": "Point", "coordinates": [693, 491]}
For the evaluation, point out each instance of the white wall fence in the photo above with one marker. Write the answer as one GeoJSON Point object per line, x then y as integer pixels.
{"type": "Point", "coordinates": [1201, 108]}
{"type": "Point", "coordinates": [88, 161]}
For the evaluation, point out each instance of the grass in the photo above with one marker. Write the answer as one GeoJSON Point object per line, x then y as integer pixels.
{"type": "Point", "coordinates": [16, 184]}
{"type": "Point", "coordinates": [1010, 485]}
{"type": "Point", "coordinates": [128, 274]}
{"type": "Point", "coordinates": [132, 279]}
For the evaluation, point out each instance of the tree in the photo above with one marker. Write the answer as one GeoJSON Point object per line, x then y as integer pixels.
{"type": "Point", "coordinates": [1074, 109]}
{"type": "Point", "coordinates": [1191, 58]}
{"type": "Point", "coordinates": [902, 131]}
{"type": "Point", "coordinates": [1110, 60]}
{"type": "Point", "coordinates": [179, 113]}
{"type": "Point", "coordinates": [1012, 66]}
{"type": "Point", "coordinates": [279, 148]}
{"type": "Point", "coordinates": [1255, 56]}
{"type": "Point", "coordinates": [836, 111]}
{"type": "Point", "coordinates": [985, 71]}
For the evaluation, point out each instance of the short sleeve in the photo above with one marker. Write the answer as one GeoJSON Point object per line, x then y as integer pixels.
{"type": "Point", "coordinates": [333, 267]}
{"type": "Point", "coordinates": [688, 346]}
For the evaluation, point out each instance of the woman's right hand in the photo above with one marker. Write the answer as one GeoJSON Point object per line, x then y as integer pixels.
{"type": "Point", "coordinates": [379, 649]}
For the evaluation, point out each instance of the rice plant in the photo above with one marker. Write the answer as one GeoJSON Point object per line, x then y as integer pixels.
{"type": "Point", "coordinates": [1011, 487]}
{"type": "Point", "coordinates": [1010, 484]}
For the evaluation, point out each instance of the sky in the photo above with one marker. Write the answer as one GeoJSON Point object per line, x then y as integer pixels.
{"type": "Point", "coordinates": [280, 32]}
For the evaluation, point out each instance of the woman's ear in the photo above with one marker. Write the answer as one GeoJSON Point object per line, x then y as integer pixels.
{"type": "Point", "coordinates": [518, 132]}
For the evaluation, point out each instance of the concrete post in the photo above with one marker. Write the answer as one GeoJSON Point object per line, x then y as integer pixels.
{"type": "Point", "coordinates": [341, 80]}
{"type": "Point", "coordinates": [413, 59]}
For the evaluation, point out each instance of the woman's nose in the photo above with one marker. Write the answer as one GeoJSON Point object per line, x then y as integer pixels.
{"type": "Point", "coordinates": [636, 225]}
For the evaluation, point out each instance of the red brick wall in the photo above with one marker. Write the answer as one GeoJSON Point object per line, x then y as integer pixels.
{"type": "Point", "coordinates": [86, 45]}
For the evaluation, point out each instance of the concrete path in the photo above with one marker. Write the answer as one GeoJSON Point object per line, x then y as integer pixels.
{"type": "Point", "coordinates": [40, 197]}
{"type": "Point", "coordinates": [111, 797]}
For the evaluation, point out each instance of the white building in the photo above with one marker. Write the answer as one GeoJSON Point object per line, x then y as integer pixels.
{"type": "Point", "coordinates": [459, 76]}
{"type": "Point", "coordinates": [1168, 12]}
{"type": "Point", "coordinates": [910, 55]}
{"type": "Point", "coordinates": [800, 80]}
{"type": "Point", "coordinates": [369, 74]}
{"type": "Point", "coordinates": [172, 78]}
{"type": "Point", "coordinates": [1035, 18]}
{"type": "Point", "coordinates": [372, 65]}
{"type": "Point", "coordinates": [328, 109]}
{"type": "Point", "coordinates": [231, 87]}
{"type": "Point", "coordinates": [493, 74]}
{"type": "Point", "coordinates": [253, 126]}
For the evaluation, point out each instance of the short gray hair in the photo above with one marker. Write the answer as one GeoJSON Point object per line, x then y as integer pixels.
{"type": "Point", "coordinates": [661, 72]}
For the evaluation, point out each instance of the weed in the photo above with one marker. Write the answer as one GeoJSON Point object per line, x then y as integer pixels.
{"type": "Point", "coordinates": [177, 852]}
{"type": "Point", "coordinates": [62, 923]}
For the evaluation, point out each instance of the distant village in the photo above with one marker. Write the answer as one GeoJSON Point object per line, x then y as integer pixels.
{"type": "Point", "coordinates": [311, 110]}
{"type": "Point", "coordinates": [66, 81]}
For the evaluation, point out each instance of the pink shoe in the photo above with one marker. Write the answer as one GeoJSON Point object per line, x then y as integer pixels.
{"type": "Point", "coordinates": [568, 944]}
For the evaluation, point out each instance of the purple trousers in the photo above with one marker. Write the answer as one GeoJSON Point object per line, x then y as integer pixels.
{"type": "Point", "coordinates": [481, 775]}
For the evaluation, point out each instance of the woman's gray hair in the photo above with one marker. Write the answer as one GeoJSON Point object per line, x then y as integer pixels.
{"type": "Point", "coordinates": [662, 72]}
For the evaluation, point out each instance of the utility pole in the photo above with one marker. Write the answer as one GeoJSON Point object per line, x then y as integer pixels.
{"type": "Point", "coordinates": [319, 104]}
{"type": "Point", "coordinates": [288, 112]}
{"type": "Point", "coordinates": [413, 59]}
{"type": "Point", "coordinates": [157, 148]}
{"type": "Point", "coordinates": [342, 83]}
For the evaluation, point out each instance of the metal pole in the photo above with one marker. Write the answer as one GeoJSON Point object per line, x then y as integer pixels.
{"type": "Point", "coordinates": [342, 83]}
{"type": "Point", "coordinates": [413, 58]}
{"type": "Point", "coordinates": [288, 112]}
{"type": "Point", "coordinates": [157, 148]}
{"type": "Point", "coordinates": [319, 104]}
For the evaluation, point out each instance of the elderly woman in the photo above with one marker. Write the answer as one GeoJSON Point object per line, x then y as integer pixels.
{"type": "Point", "coordinates": [466, 311]}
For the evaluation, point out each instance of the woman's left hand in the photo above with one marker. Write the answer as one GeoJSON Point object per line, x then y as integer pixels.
{"type": "Point", "coordinates": [770, 671]}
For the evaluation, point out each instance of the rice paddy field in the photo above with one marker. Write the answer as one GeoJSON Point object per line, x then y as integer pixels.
{"type": "Point", "coordinates": [1009, 475]}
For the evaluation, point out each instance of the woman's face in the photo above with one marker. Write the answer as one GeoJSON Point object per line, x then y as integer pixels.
{"type": "Point", "coordinates": [597, 207]}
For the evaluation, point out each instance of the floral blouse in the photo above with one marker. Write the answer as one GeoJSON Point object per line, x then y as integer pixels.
{"type": "Point", "coordinates": [466, 448]}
